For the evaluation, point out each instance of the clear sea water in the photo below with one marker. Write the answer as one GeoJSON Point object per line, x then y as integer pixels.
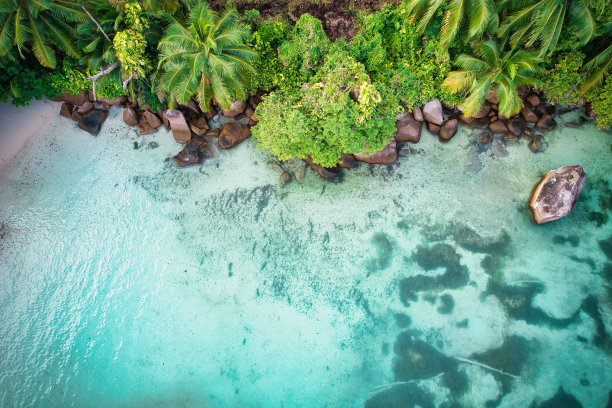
{"type": "Point", "coordinates": [127, 282]}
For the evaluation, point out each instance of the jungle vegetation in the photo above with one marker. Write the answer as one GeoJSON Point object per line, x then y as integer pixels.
{"type": "Point", "coordinates": [325, 97]}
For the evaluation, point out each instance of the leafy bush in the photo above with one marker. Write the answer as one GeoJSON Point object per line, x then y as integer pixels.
{"type": "Point", "coordinates": [334, 114]}
{"type": "Point", "coordinates": [266, 40]}
{"type": "Point", "coordinates": [69, 79]}
{"type": "Point", "coordinates": [560, 82]}
{"type": "Point", "coordinates": [306, 49]}
{"type": "Point", "coordinates": [601, 102]}
{"type": "Point", "coordinates": [19, 83]}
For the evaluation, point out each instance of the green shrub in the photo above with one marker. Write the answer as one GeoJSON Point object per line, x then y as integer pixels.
{"type": "Point", "coordinates": [338, 112]}
{"type": "Point", "coordinates": [306, 49]}
{"type": "Point", "coordinates": [69, 79]}
{"type": "Point", "coordinates": [601, 102]}
{"type": "Point", "coordinates": [19, 83]}
{"type": "Point", "coordinates": [560, 82]}
{"type": "Point", "coordinates": [266, 40]}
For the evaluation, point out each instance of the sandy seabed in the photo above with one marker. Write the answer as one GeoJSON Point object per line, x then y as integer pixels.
{"type": "Point", "coordinates": [125, 281]}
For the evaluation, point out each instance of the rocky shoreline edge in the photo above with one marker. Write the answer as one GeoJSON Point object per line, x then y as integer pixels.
{"type": "Point", "coordinates": [197, 130]}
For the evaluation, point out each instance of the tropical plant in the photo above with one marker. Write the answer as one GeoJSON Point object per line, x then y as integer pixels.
{"type": "Point", "coordinates": [600, 65]}
{"type": "Point", "coordinates": [339, 112]}
{"type": "Point", "coordinates": [492, 69]}
{"type": "Point", "coordinates": [560, 83]}
{"type": "Point", "coordinates": [96, 47]}
{"type": "Point", "coordinates": [473, 17]}
{"type": "Point", "coordinates": [307, 47]}
{"type": "Point", "coordinates": [39, 26]}
{"type": "Point", "coordinates": [207, 57]}
{"type": "Point", "coordinates": [540, 22]}
{"type": "Point", "coordinates": [601, 102]}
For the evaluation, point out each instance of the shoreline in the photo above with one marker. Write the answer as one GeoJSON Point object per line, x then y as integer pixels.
{"type": "Point", "coordinates": [20, 124]}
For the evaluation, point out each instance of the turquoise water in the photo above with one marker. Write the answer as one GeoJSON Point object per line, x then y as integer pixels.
{"type": "Point", "coordinates": [125, 281]}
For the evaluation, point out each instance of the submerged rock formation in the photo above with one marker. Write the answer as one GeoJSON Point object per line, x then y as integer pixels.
{"type": "Point", "coordinates": [555, 195]}
{"type": "Point", "coordinates": [92, 122]}
{"type": "Point", "coordinates": [193, 152]}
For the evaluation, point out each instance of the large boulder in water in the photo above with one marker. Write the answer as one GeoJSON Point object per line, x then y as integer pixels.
{"type": "Point", "coordinates": [130, 117]}
{"type": "Point", "coordinates": [448, 130]}
{"type": "Point", "coordinates": [387, 155]}
{"type": "Point", "coordinates": [178, 125]}
{"type": "Point", "coordinates": [433, 113]}
{"type": "Point", "coordinates": [92, 122]}
{"type": "Point", "coordinates": [555, 195]}
{"type": "Point", "coordinates": [194, 151]}
{"type": "Point", "coordinates": [232, 134]}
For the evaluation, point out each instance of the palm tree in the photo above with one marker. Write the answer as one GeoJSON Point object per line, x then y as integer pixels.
{"type": "Point", "coordinates": [39, 26]}
{"type": "Point", "coordinates": [490, 69]}
{"type": "Point", "coordinates": [600, 65]}
{"type": "Point", "coordinates": [475, 15]}
{"type": "Point", "coordinates": [207, 57]}
{"type": "Point", "coordinates": [542, 21]}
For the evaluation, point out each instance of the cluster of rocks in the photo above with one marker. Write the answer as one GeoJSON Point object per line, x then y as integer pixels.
{"type": "Point", "coordinates": [85, 111]}
{"type": "Point", "coordinates": [188, 123]}
{"type": "Point", "coordinates": [535, 117]}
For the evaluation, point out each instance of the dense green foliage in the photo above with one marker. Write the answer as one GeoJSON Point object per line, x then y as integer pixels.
{"type": "Point", "coordinates": [339, 111]}
{"type": "Point", "coordinates": [601, 102]}
{"type": "Point", "coordinates": [206, 57]}
{"type": "Point", "coordinates": [327, 97]}
{"type": "Point", "coordinates": [560, 83]}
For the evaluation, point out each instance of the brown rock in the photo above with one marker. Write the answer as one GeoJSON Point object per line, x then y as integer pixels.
{"type": "Point", "coordinates": [483, 112]}
{"type": "Point", "coordinates": [417, 113]}
{"type": "Point", "coordinates": [498, 127]}
{"type": "Point", "coordinates": [448, 130]}
{"type": "Point", "coordinates": [555, 195]}
{"type": "Point", "coordinates": [161, 113]}
{"type": "Point", "coordinates": [76, 100]}
{"type": "Point", "coordinates": [516, 126]}
{"type": "Point", "coordinates": [533, 99]}
{"type": "Point", "coordinates": [254, 100]}
{"type": "Point", "coordinates": [92, 122]}
{"type": "Point", "coordinates": [546, 122]}
{"type": "Point", "coordinates": [493, 118]}
{"type": "Point", "coordinates": [194, 151]}
{"type": "Point", "coordinates": [284, 179]}
{"type": "Point", "coordinates": [249, 112]}
{"type": "Point", "coordinates": [118, 100]}
{"type": "Point", "coordinates": [537, 144]}
{"type": "Point", "coordinates": [251, 123]}
{"type": "Point", "coordinates": [510, 137]}
{"type": "Point", "coordinates": [468, 121]}
{"type": "Point", "coordinates": [66, 110]}
{"type": "Point", "coordinates": [347, 161]}
{"type": "Point", "coordinates": [86, 108]}
{"type": "Point", "coordinates": [408, 128]}
{"type": "Point", "coordinates": [431, 128]}
{"type": "Point", "coordinates": [324, 172]}
{"type": "Point", "coordinates": [130, 117]}
{"type": "Point", "coordinates": [178, 125]}
{"type": "Point", "coordinates": [529, 115]}
{"type": "Point", "coordinates": [492, 97]}
{"type": "Point", "coordinates": [433, 113]}
{"type": "Point", "coordinates": [75, 115]}
{"type": "Point", "coordinates": [236, 109]}
{"type": "Point", "coordinates": [199, 126]}
{"type": "Point", "coordinates": [387, 155]}
{"type": "Point", "coordinates": [145, 129]}
{"type": "Point", "coordinates": [232, 134]}
{"type": "Point", "coordinates": [152, 119]}
{"type": "Point", "coordinates": [213, 132]}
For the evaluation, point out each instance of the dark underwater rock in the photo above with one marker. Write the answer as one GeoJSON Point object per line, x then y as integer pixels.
{"type": "Point", "coordinates": [560, 400]}
{"type": "Point", "coordinates": [92, 122]}
{"type": "Point", "coordinates": [194, 151]}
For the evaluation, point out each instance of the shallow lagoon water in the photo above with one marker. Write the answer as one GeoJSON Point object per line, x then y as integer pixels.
{"type": "Point", "coordinates": [125, 281]}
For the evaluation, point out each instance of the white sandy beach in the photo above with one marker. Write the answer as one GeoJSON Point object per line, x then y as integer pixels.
{"type": "Point", "coordinates": [19, 124]}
